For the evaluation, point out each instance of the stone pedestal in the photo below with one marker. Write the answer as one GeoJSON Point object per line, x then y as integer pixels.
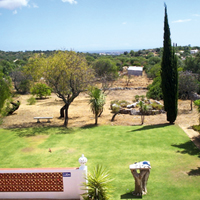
{"type": "Point", "coordinates": [140, 172]}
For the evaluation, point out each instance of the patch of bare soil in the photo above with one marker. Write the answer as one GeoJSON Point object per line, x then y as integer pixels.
{"type": "Point", "coordinates": [80, 113]}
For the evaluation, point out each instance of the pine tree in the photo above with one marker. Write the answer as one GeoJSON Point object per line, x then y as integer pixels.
{"type": "Point", "coordinates": [169, 74]}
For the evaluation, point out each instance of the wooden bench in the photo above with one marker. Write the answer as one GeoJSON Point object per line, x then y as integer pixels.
{"type": "Point", "coordinates": [38, 119]}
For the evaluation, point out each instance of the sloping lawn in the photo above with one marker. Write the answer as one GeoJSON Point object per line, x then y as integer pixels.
{"type": "Point", "coordinates": [175, 161]}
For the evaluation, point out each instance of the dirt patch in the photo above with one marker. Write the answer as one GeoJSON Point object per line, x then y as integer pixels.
{"type": "Point", "coordinates": [28, 149]}
{"type": "Point", "coordinates": [80, 113]}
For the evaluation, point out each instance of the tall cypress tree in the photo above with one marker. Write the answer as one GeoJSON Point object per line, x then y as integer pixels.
{"type": "Point", "coordinates": [169, 74]}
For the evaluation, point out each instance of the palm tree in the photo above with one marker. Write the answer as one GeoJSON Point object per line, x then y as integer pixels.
{"type": "Point", "coordinates": [97, 184]}
{"type": "Point", "coordinates": [97, 101]}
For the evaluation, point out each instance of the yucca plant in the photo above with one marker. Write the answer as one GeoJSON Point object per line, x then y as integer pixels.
{"type": "Point", "coordinates": [97, 101]}
{"type": "Point", "coordinates": [97, 184]}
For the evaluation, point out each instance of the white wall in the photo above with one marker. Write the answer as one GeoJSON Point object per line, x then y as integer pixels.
{"type": "Point", "coordinates": [71, 185]}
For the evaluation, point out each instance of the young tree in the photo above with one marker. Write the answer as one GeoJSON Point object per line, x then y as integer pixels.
{"type": "Point", "coordinates": [106, 72]}
{"type": "Point", "coordinates": [67, 73]}
{"type": "Point", "coordinates": [143, 110]}
{"type": "Point", "coordinates": [169, 75]}
{"type": "Point", "coordinates": [97, 101]}
{"type": "Point", "coordinates": [188, 85]}
{"type": "Point", "coordinates": [21, 81]}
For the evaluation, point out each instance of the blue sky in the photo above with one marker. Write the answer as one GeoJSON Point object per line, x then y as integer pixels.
{"type": "Point", "coordinates": [86, 25]}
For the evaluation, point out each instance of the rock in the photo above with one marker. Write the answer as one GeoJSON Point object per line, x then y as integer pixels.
{"type": "Point", "coordinates": [133, 112]}
{"type": "Point", "coordinates": [133, 105]}
{"type": "Point", "coordinates": [158, 102]}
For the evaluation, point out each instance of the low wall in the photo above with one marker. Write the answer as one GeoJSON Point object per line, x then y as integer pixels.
{"type": "Point", "coordinates": [39, 183]}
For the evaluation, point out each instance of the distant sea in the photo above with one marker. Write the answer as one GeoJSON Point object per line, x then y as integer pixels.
{"type": "Point", "coordinates": [110, 51]}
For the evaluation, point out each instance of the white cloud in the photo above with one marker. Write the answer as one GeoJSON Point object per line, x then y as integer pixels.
{"type": "Point", "coordinates": [70, 1]}
{"type": "Point", "coordinates": [196, 15]}
{"type": "Point", "coordinates": [181, 20]}
{"type": "Point", "coordinates": [35, 5]}
{"type": "Point", "coordinates": [124, 23]}
{"type": "Point", "coordinates": [13, 4]}
{"type": "Point", "coordinates": [14, 12]}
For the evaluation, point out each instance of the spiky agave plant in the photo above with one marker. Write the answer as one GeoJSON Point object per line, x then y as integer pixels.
{"type": "Point", "coordinates": [97, 184]}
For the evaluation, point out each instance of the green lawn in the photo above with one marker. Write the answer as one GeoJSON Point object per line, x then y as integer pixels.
{"type": "Point", "coordinates": [174, 159]}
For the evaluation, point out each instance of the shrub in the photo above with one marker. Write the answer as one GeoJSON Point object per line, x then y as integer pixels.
{"type": "Point", "coordinates": [98, 184]}
{"type": "Point", "coordinates": [137, 97]}
{"type": "Point", "coordinates": [196, 128]}
{"type": "Point", "coordinates": [6, 108]}
{"type": "Point", "coordinates": [156, 106]}
{"type": "Point", "coordinates": [123, 103]}
{"type": "Point", "coordinates": [155, 90]}
{"type": "Point", "coordinates": [31, 100]}
{"type": "Point", "coordinates": [41, 90]}
{"type": "Point", "coordinates": [113, 102]}
{"type": "Point", "coordinates": [116, 105]}
{"type": "Point", "coordinates": [116, 108]}
{"type": "Point", "coordinates": [142, 97]}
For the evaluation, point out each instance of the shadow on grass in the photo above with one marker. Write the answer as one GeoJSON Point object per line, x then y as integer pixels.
{"type": "Point", "coordinates": [143, 128]}
{"type": "Point", "coordinates": [130, 196]}
{"type": "Point", "coordinates": [28, 132]}
{"type": "Point", "coordinates": [89, 126]}
{"type": "Point", "coordinates": [187, 148]}
{"type": "Point", "coordinates": [194, 172]}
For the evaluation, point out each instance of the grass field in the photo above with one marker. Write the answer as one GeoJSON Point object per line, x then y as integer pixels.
{"type": "Point", "coordinates": [175, 162]}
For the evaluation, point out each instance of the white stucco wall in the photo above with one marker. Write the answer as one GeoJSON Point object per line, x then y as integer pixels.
{"type": "Point", "coordinates": [71, 185]}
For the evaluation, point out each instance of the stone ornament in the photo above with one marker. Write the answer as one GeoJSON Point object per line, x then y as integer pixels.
{"type": "Point", "coordinates": [82, 160]}
{"type": "Point", "coordinates": [140, 172]}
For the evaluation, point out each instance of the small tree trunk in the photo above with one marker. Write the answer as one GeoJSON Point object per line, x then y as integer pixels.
{"type": "Point", "coordinates": [66, 115]}
{"type": "Point", "coordinates": [191, 104]}
{"type": "Point", "coordinates": [113, 118]}
{"type": "Point", "coordinates": [100, 113]}
{"type": "Point", "coordinates": [142, 119]}
{"type": "Point", "coordinates": [62, 111]}
{"type": "Point", "coordinates": [14, 108]}
{"type": "Point", "coordinates": [96, 119]}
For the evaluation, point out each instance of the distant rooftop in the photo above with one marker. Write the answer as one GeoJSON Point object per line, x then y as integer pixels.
{"type": "Point", "coordinates": [135, 68]}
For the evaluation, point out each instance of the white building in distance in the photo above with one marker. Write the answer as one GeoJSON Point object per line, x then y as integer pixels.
{"type": "Point", "coordinates": [194, 51]}
{"type": "Point", "coordinates": [135, 70]}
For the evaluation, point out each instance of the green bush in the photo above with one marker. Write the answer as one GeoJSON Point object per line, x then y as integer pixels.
{"type": "Point", "coordinates": [196, 128]}
{"type": "Point", "coordinates": [41, 90]}
{"type": "Point", "coordinates": [98, 184]}
{"type": "Point", "coordinates": [137, 97]}
{"type": "Point", "coordinates": [6, 108]}
{"type": "Point", "coordinates": [123, 103]}
{"type": "Point", "coordinates": [116, 108]}
{"type": "Point", "coordinates": [113, 102]}
{"type": "Point", "coordinates": [142, 97]}
{"type": "Point", "coordinates": [156, 106]}
{"type": "Point", "coordinates": [31, 100]}
{"type": "Point", "coordinates": [116, 105]}
{"type": "Point", "coordinates": [155, 90]}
